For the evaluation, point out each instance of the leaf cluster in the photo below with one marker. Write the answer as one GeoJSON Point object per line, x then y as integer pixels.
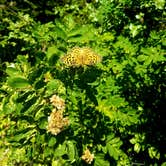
{"type": "Point", "coordinates": [115, 108]}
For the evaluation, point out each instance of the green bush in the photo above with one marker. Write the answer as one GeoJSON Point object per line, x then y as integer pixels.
{"type": "Point", "coordinates": [110, 113]}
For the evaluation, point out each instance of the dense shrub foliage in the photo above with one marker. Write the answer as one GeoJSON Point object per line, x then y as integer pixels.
{"type": "Point", "coordinates": [110, 112]}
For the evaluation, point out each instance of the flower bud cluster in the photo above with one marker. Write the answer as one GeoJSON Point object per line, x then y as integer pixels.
{"type": "Point", "coordinates": [56, 121]}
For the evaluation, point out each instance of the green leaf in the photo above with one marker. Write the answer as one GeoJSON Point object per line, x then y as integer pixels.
{"type": "Point", "coordinates": [40, 139]}
{"type": "Point", "coordinates": [53, 85]}
{"type": "Point", "coordinates": [100, 160]}
{"type": "Point", "coordinates": [113, 151]}
{"type": "Point", "coordinates": [43, 121]}
{"type": "Point", "coordinates": [71, 149]}
{"type": "Point", "coordinates": [76, 31]}
{"type": "Point", "coordinates": [39, 114]}
{"type": "Point", "coordinates": [104, 149]}
{"type": "Point", "coordinates": [60, 33]}
{"type": "Point", "coordinates": [110, 137]}
{"type": "Point", "coordinates": [52, 51]}
{"type": "Point", "coordinates": [24, 134]}
{"type": "Point", "coordinates": [18, 82]}
{"type": "Point", "coordinates": [52, 141]}
{"type": "Point", "coordinates": [107, 37]}
{"type": "Point", "coordinates": [115, 140]}
{"type": "Point", "coordinates": [23, 96]}
{"type": "Point", "coordinates": [11, 71]}
{"type": "Point", "coordinates": [7, 106]}
{"type": "Point", "coordinates": [31, 104]}
{"type": "Point", "coordinates": [142, 58]}
{"type": "Point", "coordinates": [78, 34]}
{"type": "Point", "coordinates": [113, 146]}
{"type": "Point", "coordinates": [163, 164]}
{"type": "Point", "coordinates": [154, 153]}
{"type": "Point", "coordinates": [60, 151]}
{"type": "Point", "coordinates": [48, 151]}
{"type": "Point", "coordinates": [137, 147]}
{"type": "Point", "coordinates": [117, 101]}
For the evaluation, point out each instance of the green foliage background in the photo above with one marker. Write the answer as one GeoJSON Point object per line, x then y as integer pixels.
{"type": "Point", "coordinates": [116, 108]}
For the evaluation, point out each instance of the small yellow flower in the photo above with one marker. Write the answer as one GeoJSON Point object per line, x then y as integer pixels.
{"type": "Point", "coordinates": [56, 122]}
{"type": "Point", "coordinates": [87, 156]}
{"type": "Point", "coordinates": [57, 102]}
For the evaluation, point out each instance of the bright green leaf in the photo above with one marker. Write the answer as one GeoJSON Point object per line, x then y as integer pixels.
{"type": "Point", "coordinates": [18, 82]}
{"type": "Point", "coordinates": [113, 151]}
{"type": "Point", "coordinates": [12, 71]}
{"type": "Point", "coordinates": [60, 150]}
{"type": "Point", "coordinates": [71, 150]}
{"type": "Point", "coordinates": [137, 147]}
{"type": "Point", "coordinates": [100, 160]}
{"type": "Point", "coordinates": [52, 141]}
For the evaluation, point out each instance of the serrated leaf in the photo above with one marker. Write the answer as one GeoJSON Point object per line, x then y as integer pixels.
{"type": "Point", "coordinates": [18, 82]}
{"type": "Point", "coordinates": [104, 149]}
{"type": "Point", "coordinates": [115, 140]}
{"type": "Point", "coordinates": [153, 153]}
{"type": "Point", "coordinates": [117, 101]}
{"type": "Point", "coordinates": [113, 151]}
{"type": "Point", "coordinates": [110, 137]}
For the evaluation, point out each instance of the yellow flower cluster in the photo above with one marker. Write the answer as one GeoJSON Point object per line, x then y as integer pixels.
{"type": "Point", "coordinates": [56, 121]}
{"type": "Point", "coordinates": [87, 156]}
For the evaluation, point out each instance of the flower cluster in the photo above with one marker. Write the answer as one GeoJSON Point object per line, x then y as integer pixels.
{"type": "Point", "coordinates": [87, 156]}
{"type": "Point", "coordinates": [57, 102]}
{"type": "Point", "coordinates": [56, 121]}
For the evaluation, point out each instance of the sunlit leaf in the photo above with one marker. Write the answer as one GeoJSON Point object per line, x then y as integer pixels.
{"type": "Point", "coordinates": [18, 82]}
{"type": "Point", "coordinates": [100, 160]}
